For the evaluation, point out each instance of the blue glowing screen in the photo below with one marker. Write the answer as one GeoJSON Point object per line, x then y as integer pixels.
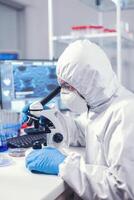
{"type": "Point", "coordinates": [34, 80]}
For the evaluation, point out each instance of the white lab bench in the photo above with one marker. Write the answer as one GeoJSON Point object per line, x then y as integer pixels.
{"type": "Point", "coordinates": [17, 183]}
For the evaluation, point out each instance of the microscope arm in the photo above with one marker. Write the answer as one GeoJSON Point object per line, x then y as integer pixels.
{"type": "Point", "coordinates": [36, 107]}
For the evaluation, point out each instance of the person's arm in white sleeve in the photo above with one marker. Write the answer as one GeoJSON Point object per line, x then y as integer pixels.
{"type": "Point", "coordinates": [76, 129]}
{"type": "Point", "coordinates": [114, 181]}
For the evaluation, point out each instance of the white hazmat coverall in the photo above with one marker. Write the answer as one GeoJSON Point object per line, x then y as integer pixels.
{"type": "Point", "coordinates": [106, 131]}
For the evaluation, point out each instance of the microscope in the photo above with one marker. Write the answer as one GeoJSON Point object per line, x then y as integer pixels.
{"type": "Point", "coordinates": [43, 120]}
{"type": "Point", "coordinates": [45, 127]}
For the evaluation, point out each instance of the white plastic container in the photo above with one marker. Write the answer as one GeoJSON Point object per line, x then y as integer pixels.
{"type": "Point", "coordinates": [86, 30]}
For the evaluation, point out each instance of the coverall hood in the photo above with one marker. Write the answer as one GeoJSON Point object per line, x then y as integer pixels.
{"type": "Point", "coordinates": [85, 66]}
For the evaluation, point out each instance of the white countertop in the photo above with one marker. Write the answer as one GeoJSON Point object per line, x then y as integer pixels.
{"type": "Point", "coordinates": [17, 183]}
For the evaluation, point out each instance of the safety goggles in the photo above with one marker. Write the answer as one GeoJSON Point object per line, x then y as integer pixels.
{"type": "Point", "coordinates": [65, 85]}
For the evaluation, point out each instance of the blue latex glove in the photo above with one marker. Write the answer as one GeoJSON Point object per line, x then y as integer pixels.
{"type": "Point", "coordinates": [24, 114]}
{"type": "Point", "coordinates": [25, 111]}
{"type": "Point", "coordinates": [45, 160]}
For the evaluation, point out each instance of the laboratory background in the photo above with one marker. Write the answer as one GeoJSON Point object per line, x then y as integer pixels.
{"type": "Point", "coordinates": [40, 30]}
{"type": "Point", "coordinates": [34, 33]}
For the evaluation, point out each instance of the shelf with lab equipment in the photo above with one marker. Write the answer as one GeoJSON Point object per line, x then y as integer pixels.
{"type": "Point", "coordinates": [100, 5]}
{"type": "Point", "coordinates": [116, 38]}
{"type": "Point", "coordinates": [126, 40]}
{"type": "Point", "coordinates": [70, 38]}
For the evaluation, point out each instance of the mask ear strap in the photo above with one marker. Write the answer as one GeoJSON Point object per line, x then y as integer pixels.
{"type": "Point", "coordinates": [81, 96]}
{"type": "Point", "coordinates": [88, 108]}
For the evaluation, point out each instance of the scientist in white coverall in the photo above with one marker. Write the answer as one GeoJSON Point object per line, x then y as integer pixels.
{"type": "Point", "coordinates": [105, 127]}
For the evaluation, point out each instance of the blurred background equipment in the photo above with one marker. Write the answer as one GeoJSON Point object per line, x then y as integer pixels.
{"type": "Point", "coordinates": [9, 127]}
{"type": "Point", "coordinates": [24, 81]}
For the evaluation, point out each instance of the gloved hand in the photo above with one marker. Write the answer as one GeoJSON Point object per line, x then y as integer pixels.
{"type": "Point", "coordinates": [46, 160]}
{"type": "Point", "coordinates": [24, 114]}
{"type": "Point", "coordinates": [25, 111]}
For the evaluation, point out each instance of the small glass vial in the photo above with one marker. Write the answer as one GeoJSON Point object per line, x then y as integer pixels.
{"type": "Point", "coordinates": [3, 141]}
{"type": "Point", "coordinates": [17, 152]}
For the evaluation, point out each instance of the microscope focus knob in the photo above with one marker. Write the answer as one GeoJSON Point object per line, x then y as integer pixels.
{"type": "Point", "coordinates": [57, 137]}
{"type": "Point", "coordinates": [37, 145]}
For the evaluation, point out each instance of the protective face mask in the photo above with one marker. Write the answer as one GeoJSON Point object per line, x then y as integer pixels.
{"type": "Point", "coordinates": [73, 101]}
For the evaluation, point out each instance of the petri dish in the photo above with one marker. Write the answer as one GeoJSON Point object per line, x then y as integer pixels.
{"type": "Point", "coordinates": [17, 152]}
{"type": "Point", "coordinates": [5, 161]}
